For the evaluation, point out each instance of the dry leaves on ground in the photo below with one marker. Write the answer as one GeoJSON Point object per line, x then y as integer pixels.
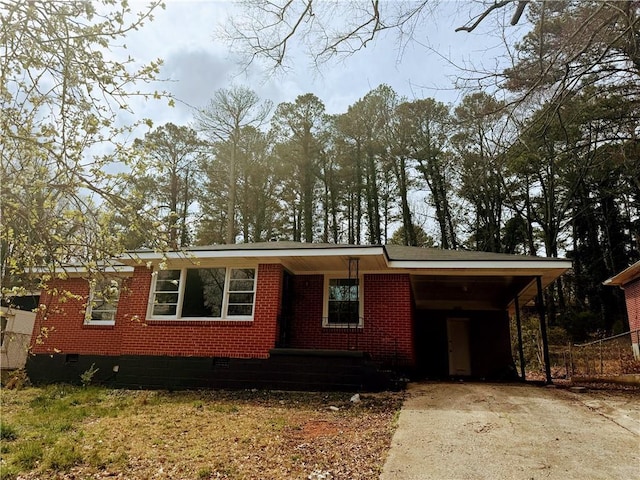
{"type": "Point", "coordinates": [221, 435]}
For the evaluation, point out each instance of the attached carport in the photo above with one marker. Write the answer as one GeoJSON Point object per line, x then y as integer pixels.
{"type": "Point", "coordinates": [463, 302]}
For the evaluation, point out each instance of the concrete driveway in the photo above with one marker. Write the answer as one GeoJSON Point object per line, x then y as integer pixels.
{"type": "Point", "coordinates": [471, 431]}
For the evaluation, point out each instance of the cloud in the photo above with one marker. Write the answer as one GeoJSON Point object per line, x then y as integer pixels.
{"type": "Point", "coordinates": [194, 75]}
{"type": "Point", "coordinates": [196, 65]}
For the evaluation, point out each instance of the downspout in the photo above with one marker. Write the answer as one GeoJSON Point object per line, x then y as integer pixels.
{"type": "Point", "coordinates": [543, 332]}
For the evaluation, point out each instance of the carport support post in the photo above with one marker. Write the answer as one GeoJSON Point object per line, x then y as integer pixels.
{"type": "Point", "coordinates": [543, 331]}
{"type": "Point", "coordinates": [520, 347]}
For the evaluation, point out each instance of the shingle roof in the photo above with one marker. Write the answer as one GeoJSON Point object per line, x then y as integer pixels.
{"type": "Point", "coordinates": [283, 245]}
{"type": "Point", "coordinates": [403, 253]}
{"type": "Point", "coordinates": [394, 252]}
{"type": "Point", "coordinates": [280, 245]}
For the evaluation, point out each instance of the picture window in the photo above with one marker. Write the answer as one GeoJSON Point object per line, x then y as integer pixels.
{"type": "Point", "coordinates": [204, 293]}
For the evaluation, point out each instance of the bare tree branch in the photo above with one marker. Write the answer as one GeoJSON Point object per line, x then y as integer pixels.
{"type": "Point", "coordinates": [519, 11]}
{"type": "Point", "coordinates": [269, 29]}
{"type": "Point", "coordinates": [482, 16]}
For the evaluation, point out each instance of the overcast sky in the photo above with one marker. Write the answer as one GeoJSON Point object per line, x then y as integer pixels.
{"type": "Point", "coordinates": [196, 64]}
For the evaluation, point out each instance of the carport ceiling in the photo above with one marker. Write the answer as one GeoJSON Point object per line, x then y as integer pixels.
{"type": "Point", "coordinates": [466, 292]}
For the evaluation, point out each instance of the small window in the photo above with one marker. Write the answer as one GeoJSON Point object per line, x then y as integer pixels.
{"type": "Point", "coordinates": [343, 302]}
{"type": "Point", "coordinates": [103, 303]}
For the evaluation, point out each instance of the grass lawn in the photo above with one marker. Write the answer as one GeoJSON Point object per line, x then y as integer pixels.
{"type": "Point", "coordinates": [69, 432]}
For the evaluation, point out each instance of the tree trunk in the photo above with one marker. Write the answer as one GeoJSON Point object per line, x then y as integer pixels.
{"type": "Point", "coordinates": [373, 201]}
{"type": "Point", "coordinates": [407, 221]}
{"type": "Point", "coordinates": [173, 213]}
{"type": "Point", "coordinates": [359, 190]}
{"type": "Point", "coordinates": [184, 236]}
{"type": "Point", "coordinates": [231, 201]}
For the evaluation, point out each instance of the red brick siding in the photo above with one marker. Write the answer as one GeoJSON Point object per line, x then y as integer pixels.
{"type": "Point", "coordinates": [387, 333]}
{"type": "Point", "coordinates": [632, 297]}
{"type": "Point", "coordinates": [134, 334]}
{"type": "Point", "coordinates": [60, 327]}
{"type": "Point", "coordinates": [389, 305]}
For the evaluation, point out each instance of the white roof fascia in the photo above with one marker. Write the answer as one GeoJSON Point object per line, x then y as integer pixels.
{"type": "Point", "coordinates": [81, 269]}
{"type": "Point", "coordinates": [303, 252]}
{"type": "Point", "coordinates": [114, 269]}
{"type": "Point", "coordinates": [468, 265]}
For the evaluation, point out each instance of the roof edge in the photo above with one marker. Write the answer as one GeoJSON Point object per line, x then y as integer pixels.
{"type": "Point", "coordinates": [624, 277]}
{"type": "Point", "coordinates": [258, 252]}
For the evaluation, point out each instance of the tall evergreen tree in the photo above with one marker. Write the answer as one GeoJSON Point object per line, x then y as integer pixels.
{"type": "Point", "coordinates": [481, 128]}
{"type": "Point", "coordinates": [222, 120]}
{"type": "Point", "coordinates": [169, 157]}
{"type": "Point", "coordinates": [426, 127]}
{"type": "Point", "coordinates": [301, 128]}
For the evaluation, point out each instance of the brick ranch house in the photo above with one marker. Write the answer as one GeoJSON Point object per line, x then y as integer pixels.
{"type": "Point", "coordinates": [288, 315]}
{"type": "Point", "coordinates": [629, 281]}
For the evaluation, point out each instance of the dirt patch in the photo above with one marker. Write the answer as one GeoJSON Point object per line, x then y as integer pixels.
{"type": "Point", "coordinates": [314, 429]}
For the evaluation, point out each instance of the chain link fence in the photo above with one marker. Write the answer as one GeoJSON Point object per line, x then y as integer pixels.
{"type": "Point", "coordinates": [609, 356]}
{"type": "Point", "coordinates": [604, 357]}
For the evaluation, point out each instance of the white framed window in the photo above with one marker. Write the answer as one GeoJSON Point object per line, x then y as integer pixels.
{"type": "Point", "coordinates": [203, 294]}
{"type": "Point", "coordinates": [343, 305]}
{"type": "Point", "coordinates": [103, 301]}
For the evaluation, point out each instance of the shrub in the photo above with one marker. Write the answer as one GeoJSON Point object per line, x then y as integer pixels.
{"type": "Point", "coordinates": [17, 380]}
{"type": "Point", "coordinates": [87, 376]}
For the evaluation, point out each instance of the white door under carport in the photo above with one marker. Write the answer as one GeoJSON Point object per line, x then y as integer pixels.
{"type": "Point", "coordinates": [458, 339]}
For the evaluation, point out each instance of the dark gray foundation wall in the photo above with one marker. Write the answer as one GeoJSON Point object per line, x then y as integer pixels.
{"type": "Point", "coordinates": [283, 370]}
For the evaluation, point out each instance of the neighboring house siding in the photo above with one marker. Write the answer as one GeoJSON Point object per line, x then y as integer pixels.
{"type": "Point", "coordinates": [632, 297]}
{"type": "Point", "coordinates": [61, 329]}
{"type": "Point", "coordinates": [387, 332]}
{"type": "Point", "coordinates": [15, 337]}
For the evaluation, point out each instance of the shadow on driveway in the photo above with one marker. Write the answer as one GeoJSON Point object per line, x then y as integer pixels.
{"type": "Point", "coordinates": [471, 431]}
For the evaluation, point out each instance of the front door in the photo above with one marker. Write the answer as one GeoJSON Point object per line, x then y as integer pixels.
{"type": "Point", "coordinates": [286, 312]}
{"type": "Point", "coordinates": [458, 338]}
